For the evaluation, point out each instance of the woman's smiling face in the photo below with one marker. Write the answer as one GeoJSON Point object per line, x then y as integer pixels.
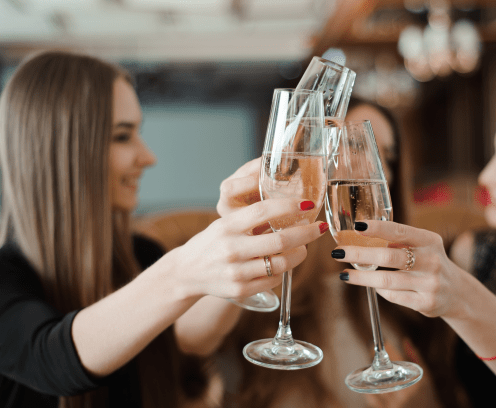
{"type": "Point", "coordinates": [129, 156]}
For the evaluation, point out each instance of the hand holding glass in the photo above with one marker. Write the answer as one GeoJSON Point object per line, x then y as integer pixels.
{"type": "Point", "coordinates": [293, 165]}
{"type": "Point", "coordinates": [357, 191]}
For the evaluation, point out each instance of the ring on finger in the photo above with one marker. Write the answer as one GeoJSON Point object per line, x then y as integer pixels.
{"type": "Point", "coordinates": [268, 268]}
{"type": "Point", "coordinates": [410, 260]}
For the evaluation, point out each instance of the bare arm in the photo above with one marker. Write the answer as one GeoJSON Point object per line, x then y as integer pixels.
{"type": "Point", "coordinates": [222, 261]}
{"type": "Point", "coordinates": [435, 286]}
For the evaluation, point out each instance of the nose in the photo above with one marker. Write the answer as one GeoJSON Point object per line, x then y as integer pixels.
{"type": "Point", "coordinates": [146, 157]}
{"type": "Point", "coordinates": [488, 174]}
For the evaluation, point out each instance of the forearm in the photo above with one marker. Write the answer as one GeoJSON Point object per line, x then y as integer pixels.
{"type": "Point", "coordinates": [475, 323]}
{"type": "Point", "coordinates": [109, 333]}
{"type": "Point", "coordinates": [202, 329]}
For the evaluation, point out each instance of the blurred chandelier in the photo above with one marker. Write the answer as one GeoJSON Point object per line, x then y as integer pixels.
{"type": "Point", "coordinates": [441, 47]}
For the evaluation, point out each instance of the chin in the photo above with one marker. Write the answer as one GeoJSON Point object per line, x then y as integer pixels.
{"type": "Point", "coordinates": [490, 215]}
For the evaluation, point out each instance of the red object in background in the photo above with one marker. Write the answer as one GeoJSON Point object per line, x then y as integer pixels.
{"type": "Point", "coordinates": [482, 196]}
{"type": "Point", "coordinates": [437, 194]}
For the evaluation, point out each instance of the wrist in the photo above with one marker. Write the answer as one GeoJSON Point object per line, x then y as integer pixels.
{"type": "Point", "coordinates": [165, 277]}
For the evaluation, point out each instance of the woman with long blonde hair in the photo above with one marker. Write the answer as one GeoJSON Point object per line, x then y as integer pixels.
{"type": "Point", "coordinates": [86, 308]}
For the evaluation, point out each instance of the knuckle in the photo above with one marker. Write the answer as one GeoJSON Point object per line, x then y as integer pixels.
{"type": "Point", "coordinates": [284, 263]}
{"type": "Point", "coordinates": [238, 290]}
{"type": "Point", "coordinates": [435, 285]}
{"type": "Point", "coordinates": [389, 258]}
{"type": "Point", "coordinates": [387, 281]}
{"type": "Point", "coordinates": [226, 188]}
{"type": "Point", "coordinates": [279, 242]}
{"type": "Point", "coordinates": [428, 304]}
{"type": "Point", "coordinates": [257, 211]}
{"type": "Point", "coordinates": [232, 273]}
{"type": "Point", "coordinates": [401, 231]}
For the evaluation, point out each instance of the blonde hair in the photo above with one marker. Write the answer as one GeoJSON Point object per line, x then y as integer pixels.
{"type": "Point", "coordinates": [55, 128]}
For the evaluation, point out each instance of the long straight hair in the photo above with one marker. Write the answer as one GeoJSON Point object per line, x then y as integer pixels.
{"type": "Point", "coordinates": [55, 128]}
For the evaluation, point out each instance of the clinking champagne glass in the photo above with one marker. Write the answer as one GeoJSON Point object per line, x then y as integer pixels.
{"type": "Point", "coordinates": [293, 165]}
{"type": "Point", "coordinates": [357, 190]}
{"type": "Point", "coordinates": [335, 82]}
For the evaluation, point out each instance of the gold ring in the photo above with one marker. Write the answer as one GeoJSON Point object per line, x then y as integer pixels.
{"type": "Point", "coordinates": [410, 261]}
{"type": "Point", "coordinates": [268, 269]}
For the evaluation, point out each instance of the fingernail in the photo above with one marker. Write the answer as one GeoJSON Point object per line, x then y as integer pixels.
{"type": "Point", "coordinates": [306, 205]}
{"type": "Point", "coordinates": [345, 276]}
{"type": "Point", "coordinates": [323, 227]}
{"type": "Point", "coordinates": [338, 254]}
{"type": "Point", "coordinates": [360, 226]}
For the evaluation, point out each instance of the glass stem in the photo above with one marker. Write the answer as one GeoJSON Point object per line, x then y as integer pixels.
{"type": "Point", "coordinates": [381, 358]}
{"type": "Point", "coordinates": [284, 337]}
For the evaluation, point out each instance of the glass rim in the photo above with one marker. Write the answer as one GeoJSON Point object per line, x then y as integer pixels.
{"type": "Point", "coordinates": [295, 90]}
{"type": "Point", "coordinates": [334, 65]}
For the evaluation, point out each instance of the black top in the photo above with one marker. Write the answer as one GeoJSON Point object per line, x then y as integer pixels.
{"type": "Point", "coordinates": [38, 360]}
{"type": "Point", "coordinates": [479, 380]}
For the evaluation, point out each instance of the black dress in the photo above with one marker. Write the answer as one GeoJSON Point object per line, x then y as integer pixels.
{"type": "Point", "coordinates": [38, 360]}
{"type": "Point", "coordinates": [479, 380]}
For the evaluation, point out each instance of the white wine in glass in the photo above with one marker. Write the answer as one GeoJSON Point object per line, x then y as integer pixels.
{"type": "Point", "coordinates": [293, 165]}
{"type": "Point", "coordinates": [357, 191]}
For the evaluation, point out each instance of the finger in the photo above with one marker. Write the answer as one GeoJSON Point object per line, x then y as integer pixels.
{"type": "Point", "coordinates": [259, 285]}
{"type": "Point", "coordinates": [250, 168]}
{"type": "Point", "coordinates": [405, 298]}
{"type": "Point", "coordinates": [282, 241]}
{"type": "Point", "coordinates": [240, 191]}
{"type": "Point", "coordinates": [379, 279]}
{"type": "Point", "coordinates": [397, 233]}
{"type": "Point", "coordinates": [259, 213]}
{"type": "Point", "coordinates": [385, 257]}
{"type": "Point", "coordinates": [278, 264]}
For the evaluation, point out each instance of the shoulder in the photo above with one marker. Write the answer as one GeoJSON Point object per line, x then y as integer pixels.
{"type": "Point", "coordinates": [462, 251]}
{"type": "Point", "coordinates": [16, 271]}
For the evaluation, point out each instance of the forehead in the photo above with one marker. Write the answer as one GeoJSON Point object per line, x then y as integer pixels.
{"type": "Point", "coordinates": [126, 107]}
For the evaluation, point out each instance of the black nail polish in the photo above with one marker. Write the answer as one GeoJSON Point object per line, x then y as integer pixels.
{"type": "Point", "coordinates": [360, 226]}
{"type": "Point", "coordinates": [345, 276]}
{"type": "Point", "coordinates": [338, 254]}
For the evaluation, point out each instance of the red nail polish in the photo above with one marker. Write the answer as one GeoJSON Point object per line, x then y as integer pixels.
{"type": "Point", "coordinates": [323, 227]}
{"type": "Point", "coordinates": [306, 205]}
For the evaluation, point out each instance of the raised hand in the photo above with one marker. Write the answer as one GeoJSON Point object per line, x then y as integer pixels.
{"type": "Point", "coordinates": [430, 285]}
{"type": "Point", "coordinates": [225, 261]}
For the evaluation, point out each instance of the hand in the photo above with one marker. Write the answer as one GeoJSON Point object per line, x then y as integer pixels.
{"type": "Point", "coordinates": [225, 261]}
{"type": "Point", "coordinates": [240, 189]}
{"type": "Point", "coordinates": [434, 286]}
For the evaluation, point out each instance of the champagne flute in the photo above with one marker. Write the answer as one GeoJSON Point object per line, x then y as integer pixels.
{"type": "Point", "coordinates": [357, 190]}
{"type": "Point", "coordinates": [335, 82]}
{"type": "Point", "coordinates": [293, 165]}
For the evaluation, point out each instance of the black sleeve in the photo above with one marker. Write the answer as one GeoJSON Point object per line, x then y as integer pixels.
{"type": "Point", "coordinates": [36, 346]}
{"type": "Point", "coordinates": [146, 251]}
{"type": "Point", "coordinates": [484, 259]}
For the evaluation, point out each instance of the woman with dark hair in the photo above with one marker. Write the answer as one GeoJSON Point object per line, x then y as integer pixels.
{"type": "Point", "coordinates": [86, 308]}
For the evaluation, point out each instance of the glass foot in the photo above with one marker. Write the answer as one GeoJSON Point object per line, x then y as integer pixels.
{"type": "Point", "coordinates": [267, 354]}
{"type": "Point", "coordinates": [369, 381]}
{"type": "Point", "coordinates": [260, 302]}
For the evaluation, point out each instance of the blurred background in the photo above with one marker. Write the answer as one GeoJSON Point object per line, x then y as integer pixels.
{"type": "Point", "coordinates": [205, 71]}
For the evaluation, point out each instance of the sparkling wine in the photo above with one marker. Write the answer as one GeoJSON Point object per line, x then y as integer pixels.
{"type": "Point", "coordinates": [348, 201]}
{"type": "Point", "coordinates": [296, 175]}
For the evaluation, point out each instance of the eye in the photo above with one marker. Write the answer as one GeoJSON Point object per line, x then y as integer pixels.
{"type": "Point", "coordinates": [121, 137]}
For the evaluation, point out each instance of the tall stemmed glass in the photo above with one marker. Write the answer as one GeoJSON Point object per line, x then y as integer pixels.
{"type": "Point", "coordinates": [293, 165]}
{"type": "Point", "coordinates": [335, 82]}
{"type": "Point", "coordinates": [357, 190]}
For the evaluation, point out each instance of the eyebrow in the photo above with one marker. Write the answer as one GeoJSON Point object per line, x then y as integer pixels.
{"type": "Point", "coordinates": [127, 125]}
